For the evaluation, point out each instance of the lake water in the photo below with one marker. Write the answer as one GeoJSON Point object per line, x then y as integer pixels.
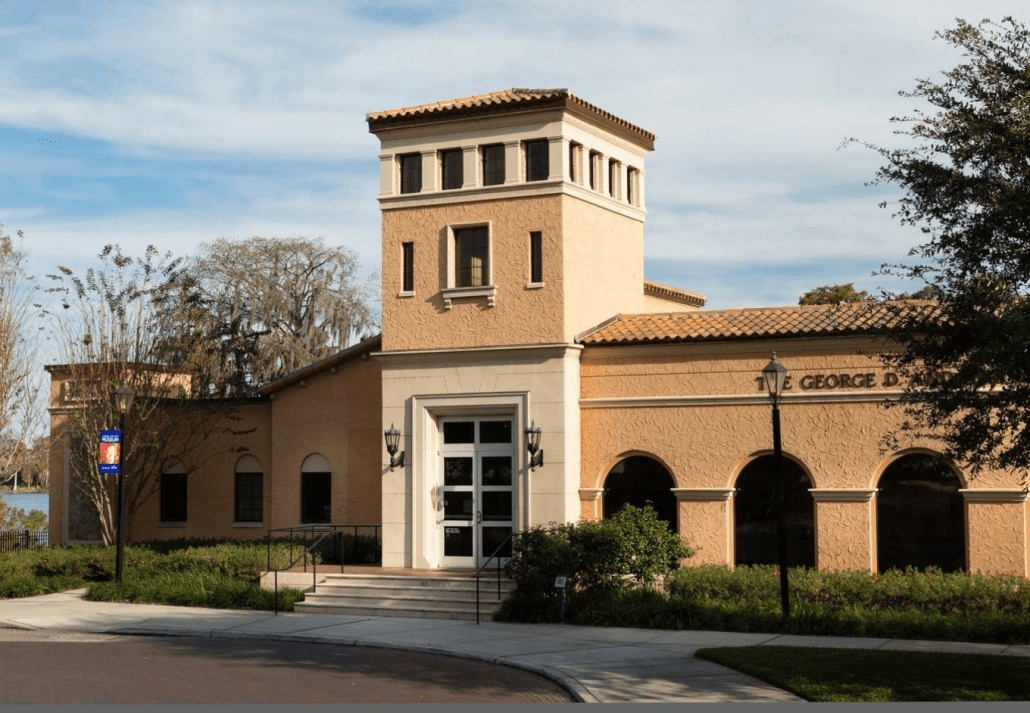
{"type": "Point", "coordinates": [28, 501]}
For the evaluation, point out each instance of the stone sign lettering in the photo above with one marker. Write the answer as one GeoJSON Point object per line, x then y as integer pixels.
{"type": "Point", "coordinates": [815, 382]}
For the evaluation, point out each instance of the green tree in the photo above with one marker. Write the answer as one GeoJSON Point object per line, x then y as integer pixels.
{"type": "Point", "coordinates": [137, 321]}
{"type": "Point", "coordinates": [966, 182]}
{"type": "Point", "coordinates": [833, 295]}
{"type": "Point", "coordinates": [280, 304]}
{"type": "Point", "coordinates": [21, 406]}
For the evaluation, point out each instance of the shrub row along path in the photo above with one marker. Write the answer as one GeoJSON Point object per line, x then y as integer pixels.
{"type": "Point", "coordinates": [592, 664]}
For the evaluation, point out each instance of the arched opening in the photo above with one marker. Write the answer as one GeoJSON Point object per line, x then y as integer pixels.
{"type": "Point", "coordinates": [919, 515]}
{"type": "Point", "coordinates": [174, 494]}
{"type": "Point", "coordinates": [248, 501]}
{"type": "Point", "coordinates": [754, 514]}
{"type": "Point", "coordinates": [640, 481]}
{"type": "Point", "coordinates": [316, 490]}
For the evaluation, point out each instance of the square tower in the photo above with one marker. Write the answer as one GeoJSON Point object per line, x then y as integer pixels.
{"type": "Point", "coordinates": [514, 217]}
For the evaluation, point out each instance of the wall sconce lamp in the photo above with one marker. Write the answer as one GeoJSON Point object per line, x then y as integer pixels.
{"type": "Point", "coordinates": [393, 440]}
{"type": "Point", "coordinates": [536, 456]}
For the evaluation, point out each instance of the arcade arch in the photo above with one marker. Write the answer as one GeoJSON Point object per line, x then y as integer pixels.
{"type": "Point", "coordinates": [640, 480]}
{"type": "Point", "coordinates": [920, 519]}
{"type": "Point", "coordinates": [754, 514]}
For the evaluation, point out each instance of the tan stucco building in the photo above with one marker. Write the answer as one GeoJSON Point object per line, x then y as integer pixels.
{"type": "Point", "coordinates": [513, 295]}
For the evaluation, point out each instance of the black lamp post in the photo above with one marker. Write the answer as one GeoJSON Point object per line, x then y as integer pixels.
{"type": "Point", "coordinates": [775, 375]}
{"type": "Point", "coordinates": [123, 396]}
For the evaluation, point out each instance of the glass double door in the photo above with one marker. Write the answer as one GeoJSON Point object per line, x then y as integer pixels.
{"type": "Point", "coordinates": [477, 488]}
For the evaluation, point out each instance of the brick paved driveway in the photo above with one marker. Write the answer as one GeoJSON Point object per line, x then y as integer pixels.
{"type": "Point", "coordinates": [48, 667]}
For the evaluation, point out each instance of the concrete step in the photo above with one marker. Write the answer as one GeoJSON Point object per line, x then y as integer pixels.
{"type": "Point", "coordinates": [422, 612]}
{"type": "Point", "coordinates": [437, 597]}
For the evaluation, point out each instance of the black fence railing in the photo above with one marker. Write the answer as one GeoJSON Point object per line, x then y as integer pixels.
{"type": "Point", "coordinates": [503, 550]}
{"type": "Point", "coordinates": [12, 540]}
{"type": "Point", "coordinates": [332, 544]}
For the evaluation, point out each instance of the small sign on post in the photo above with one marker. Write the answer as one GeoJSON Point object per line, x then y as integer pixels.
{"type": "Point", "coordinates": [110, 451]}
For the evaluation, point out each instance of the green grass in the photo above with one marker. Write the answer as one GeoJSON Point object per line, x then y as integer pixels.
{"type": "Point", "coordinates": [220, 575]}
{"type": "Point", "coordinates": [861, 675]}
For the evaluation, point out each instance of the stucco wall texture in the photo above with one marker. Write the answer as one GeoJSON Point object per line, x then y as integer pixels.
{"type": "Point", "coordinates": [580, 287]}
{"type": "Point", "coordinates": [652, 401]}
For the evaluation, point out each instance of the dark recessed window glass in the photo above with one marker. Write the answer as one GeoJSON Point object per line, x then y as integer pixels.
{"type": "Point", "coordinates": [173, 497]}
{"type": "Point", "coordinates": [408, 277]}
{"type": "Point", "coordinates": [471, 257]}
{"type": "Point", "coordinates": [640, 481]}
{"type": "Point", "coordinates": [497, 505]}
{"type": "Point", "coordinates": [451, 169]}
{"type": "Point", "coordinates": [457, 471]}
{"type": "Point", "coordinates": [494, 537]}
{"type": "Point", "coordinates": [457, 541]}
{"type": "Point", "coordinates": [536, 256]}
{"type": "Point", "coordinates": [411, 173]}
{"type": "Point", "coordinates": [249, 497]}
{"type": "Point", "coordinates": [755, 517]}
{"type": "Point", "coordinates": [457, 505]}
{"type": "Point", "coordinates": [315, 496]}
{"type": "Point", "coordinates": [493, 165]}
{"type": "Point", "coordinates": [496, 470]}
{"type": "Point", "coordinates": [613, 179]}
{"type": "Point", "coordinates": [459, 432]}
{"type": "Point", "coordinates": [537, 163]}
{"type": "Point", "coordinates": [495, 431]}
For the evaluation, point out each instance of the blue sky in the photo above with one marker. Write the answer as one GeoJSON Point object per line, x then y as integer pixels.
{"type": "Point", "coordinates": [177, 123]}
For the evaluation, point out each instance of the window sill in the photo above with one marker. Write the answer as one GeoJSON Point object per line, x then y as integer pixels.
{"type": "Point", "coordinates": [534, 285]}
{"type": "Point", "coordinates": [406, 294]}
{"type": "Point", "coordinates": [451, 293]}
{"type": "Point", "coordinates": [172, 524]}
{"type": "Point", "coordinates": [248, 524]}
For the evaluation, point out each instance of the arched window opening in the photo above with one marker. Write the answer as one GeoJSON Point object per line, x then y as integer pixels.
{"type": "Point", "coordinates": [919, 515]}
{"type": "Point", "coordinates": [754, 514]}
{"type": "Point", "coordinates": [316, 490]}
{"type": "Point", "coordinates": [174, 494]}
{"type": "Point", "coordinates": [640, 481]}
{"type": "Point", "coordinates": [249, 496]}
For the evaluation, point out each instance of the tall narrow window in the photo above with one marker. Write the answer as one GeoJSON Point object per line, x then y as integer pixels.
{"type": "Point", "coordinates": [536, 256]}
{"type": "Point", "coordinates": [408, 269]}
{"type": "Point", "coordinates": [249, 500]}
{"type": "Point", "coordinates": [537, 160]}
{"type": "Point", "coordinates": [471, 257]}
{"type": "Point", "coordinates": [173, 492]}
{"type": "Point", "coordinates": [451, 169]}
{"type": "Point", "coordinates": [574, 167]}
{"type": "Point", "coordinates": [316, 490]}
{"type": "Point", "coordinates": [613, 178]}
{"type": "Point", "coordinates": [595, 176]}
{"type": "Point", "coordinates": [493, 165]}
{"type": "Point", "coordinates": [632, 179]}
{"type": "Point", "coordinates": [411, 173]}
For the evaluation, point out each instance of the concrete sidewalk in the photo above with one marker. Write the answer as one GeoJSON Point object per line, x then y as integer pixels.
{"type": "Point", "coordinates": [595, 664]}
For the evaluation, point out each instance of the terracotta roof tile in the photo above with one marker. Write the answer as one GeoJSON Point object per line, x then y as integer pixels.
{"type": "Point", "coordinates": [675, 294]}
{"type": "Point", "coordinates": [751, 323]}
{"type": "Point", "coordinates": [482, 103]}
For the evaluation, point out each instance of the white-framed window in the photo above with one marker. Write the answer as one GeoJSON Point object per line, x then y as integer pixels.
{"type": "Point", "coordinates": [632, 186]}
{"type": "Point", "coordinates": [614, 176]}
{"type": "Point", "coordinates": [469, 257]}
{"type": "Point", "coordinates": [575, 165]}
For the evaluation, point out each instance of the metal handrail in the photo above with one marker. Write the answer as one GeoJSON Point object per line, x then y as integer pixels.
{"type": "Point", "coordinates": [328, 530]}
{"type": "Point", "coordinates": [479, 571]}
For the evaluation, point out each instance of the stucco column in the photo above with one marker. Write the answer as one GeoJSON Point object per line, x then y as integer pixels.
{"type": "Point", "coordinates": [470, 170]}
{"type": "Point", "coordinates": [996, 530]}
{"type": "Point", "coordinates": [512, 162]}
{"type": "Point", "coordinates": [845, 529]}
{"type": "Point", "coordinates": [589, 503]}
{"type": "Point", "coordinates": [387, 173]}
{"type": "Point", "coordinates": [557, 150]}
{"type": "Point", "coordinates": [706, 524]}
{"type": "Point", "coordinates": [430, 175]}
